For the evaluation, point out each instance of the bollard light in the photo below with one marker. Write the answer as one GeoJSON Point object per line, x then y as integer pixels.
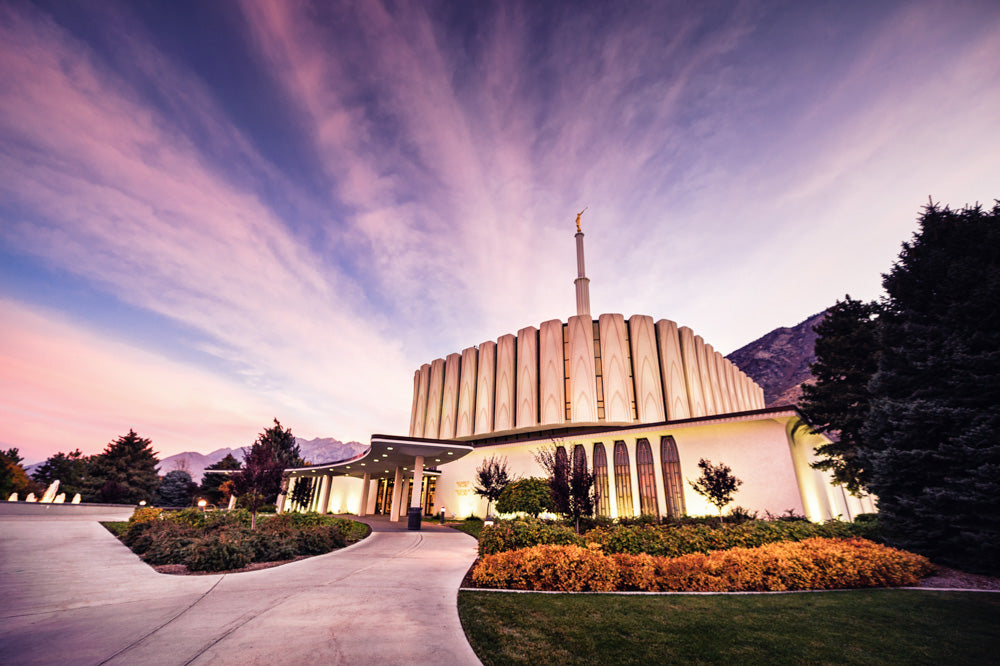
{"type": "Point", "coordinates": [142, 502]}
{"type": "Point", "coordinates": [442, 515]}
{"type": "Point", "coordinates": [202, 503]}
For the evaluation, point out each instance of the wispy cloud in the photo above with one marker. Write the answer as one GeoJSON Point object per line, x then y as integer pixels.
{"type": "Point", "coordinates": [744, 164]}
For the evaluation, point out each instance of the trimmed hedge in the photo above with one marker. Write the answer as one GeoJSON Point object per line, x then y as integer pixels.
{"type": "Point", "coordinates": [811, 564]}
{"type": "Point", "coordinates": [670, 540]}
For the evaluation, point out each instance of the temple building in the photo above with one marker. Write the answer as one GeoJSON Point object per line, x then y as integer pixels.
{"type": "Point", "coordinates": [640, 400]}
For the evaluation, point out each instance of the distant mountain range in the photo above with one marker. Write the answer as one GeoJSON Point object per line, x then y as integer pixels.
{"type": "Point", "coordinates": [779, 361]}
{"type": "Point", "coordinates": [319, 450]}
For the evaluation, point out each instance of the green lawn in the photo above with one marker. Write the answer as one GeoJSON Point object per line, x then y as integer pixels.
{"type": "Point", "coordinates": [853, 627]}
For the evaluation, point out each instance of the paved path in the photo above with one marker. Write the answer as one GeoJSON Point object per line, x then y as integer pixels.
{"type": "Point", "coordinates": [70, 593]}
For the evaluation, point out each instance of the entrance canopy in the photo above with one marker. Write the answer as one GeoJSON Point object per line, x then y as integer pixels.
{"type": "Point", "coordinates": [386, 454]}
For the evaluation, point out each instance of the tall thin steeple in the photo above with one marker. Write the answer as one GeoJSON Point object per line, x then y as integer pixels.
{"type": "Point", "coordinates": [582, 282]}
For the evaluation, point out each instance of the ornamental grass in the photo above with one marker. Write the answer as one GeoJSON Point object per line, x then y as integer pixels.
{"type": "Point", "coordinates": [812, 564]}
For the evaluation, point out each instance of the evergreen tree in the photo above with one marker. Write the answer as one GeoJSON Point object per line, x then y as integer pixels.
{"type": "Point", "coordinates": [716, 484]}
{"type": "Point", "coordinates": [491, 478]}
{"type": "Point", "coordinates": [847, 351]}
{"type": "Point", "coordinates": [210, 483]}
{"type": "Point", "coordinates": [69, 469]}
{"type": "Point", "coordinates": [124, 473]}
{"type": "Point", "coordinates": [934, 426]}
{"type": "Point", "coordinates": [177, 488]}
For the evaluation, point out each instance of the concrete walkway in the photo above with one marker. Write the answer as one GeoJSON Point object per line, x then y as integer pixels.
{"type": "Point", "coordinates": [70, 593]}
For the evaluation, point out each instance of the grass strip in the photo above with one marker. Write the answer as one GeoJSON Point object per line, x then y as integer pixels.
{"type": "Point", "coordinates": [852, 627]}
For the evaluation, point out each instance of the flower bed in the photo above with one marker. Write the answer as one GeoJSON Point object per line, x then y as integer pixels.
{"type": "Point", "coordinates": [812, 564]}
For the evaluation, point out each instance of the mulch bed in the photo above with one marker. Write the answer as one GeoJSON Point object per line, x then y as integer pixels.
{"type": "Point", "coordinates": [182, 570]}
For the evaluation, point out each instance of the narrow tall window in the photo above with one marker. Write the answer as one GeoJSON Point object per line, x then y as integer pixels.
{"type": "Point", "coordinates": [674, 488]}
{"type": "Point", "coordinates": [601, 480]}
{"type": "Point", "coordinates": [623, 481]}
{"type": "Point", "coordinates": [647, 478]}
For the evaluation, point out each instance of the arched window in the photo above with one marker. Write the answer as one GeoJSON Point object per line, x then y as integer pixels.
{"type": "Point", "coordinates": [647, 478]}
{"type": "Point", "coordinates": [601, 480]}
{"type": "Point", "coordinates": [580, 456]}
{"type": "Point", "coordinates": [623, 481]}
{"type": "Point", "coordinates": [674, 490]}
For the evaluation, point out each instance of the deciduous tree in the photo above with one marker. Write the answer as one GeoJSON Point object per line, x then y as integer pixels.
{"type": "Point", "coordinates": [717, 484]}
{"type": "Point", "coordinates": [259, 480]}
{"type": "Point", "coordinates": [530, 496]}
{"type": "Point", "coordinates": [571, 485]}
{"type": "Point", "coordinates": [491, 478]}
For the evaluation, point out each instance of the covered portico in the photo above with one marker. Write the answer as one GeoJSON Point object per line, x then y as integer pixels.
{"type": "Point", "coordinates": [363, 481]}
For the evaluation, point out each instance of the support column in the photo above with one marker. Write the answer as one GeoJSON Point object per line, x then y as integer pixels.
{"type": "Point", "coordinates": [397, 495]}
{"type": "Point", "coordinates": [282, 494]}
{"type": "Point", "coordinates": [413, 516]}
{"type": "Point", "coordinates": [365, 487]}
{"type": "Point", "coordinates": [324, 500]}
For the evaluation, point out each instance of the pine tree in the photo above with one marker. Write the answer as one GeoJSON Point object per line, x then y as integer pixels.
{"type": "Point", "coordinates": [69, 469]}
{"type": "Point", "coordinates": [847, 352]}
{"type": "Point", "coordinates": [124, 473]}
{"type": "Point", "coordinates": [934, 426]}
{"type": "Point", "coordinates": [210, 483]}
{"type": "Point", "coordinates": [176, 489]}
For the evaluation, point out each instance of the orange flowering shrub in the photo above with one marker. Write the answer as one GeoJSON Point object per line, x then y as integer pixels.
{"type": "Point", "coordinates": [548, 567]}
{"type": "Point", "coordinates": [812, 564]}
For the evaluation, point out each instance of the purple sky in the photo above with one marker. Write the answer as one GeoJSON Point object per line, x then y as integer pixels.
{"type": "Point", "coordinates": [217, 213]}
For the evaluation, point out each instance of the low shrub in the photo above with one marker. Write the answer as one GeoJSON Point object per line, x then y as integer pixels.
{"type": "Point", "coordinates": [547, 567]}
{"type": "Point", "coordinates": [145, 514]}
{"type": "Point", "coordinates": [816, 563]}
{"type": "Point", "coordinates": [677, 540]}
{"type": "Point", "coordinates": [319, 539]}
{"type": "Point", "coordinates": [505, 535]}
{"type": "Point", "coordinates": [219, 552]}
{"type": "Point", "coordinates": [168, 543]}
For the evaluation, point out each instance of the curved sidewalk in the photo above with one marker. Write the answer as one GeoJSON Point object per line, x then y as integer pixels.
{"type": "Point", "coordinates": [73, 594]}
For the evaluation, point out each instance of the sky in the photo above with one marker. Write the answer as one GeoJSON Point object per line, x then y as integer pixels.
{"type": "Point", "coordinates": [214, 214]}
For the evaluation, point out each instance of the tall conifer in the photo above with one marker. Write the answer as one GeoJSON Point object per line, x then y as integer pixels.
{"type": "Point", "coordinates": [934, 425]}
{"type": "Point", "coordinates": [847, 352]}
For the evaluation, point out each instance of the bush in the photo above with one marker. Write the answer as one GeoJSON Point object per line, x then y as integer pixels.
{"type": "Point", "coordinates": [159, 541]}
{"type": "Point", "coordinates": [547, 567]}
{"type": "Point", "coordinates": [219, 552]}
{"type": "Point", "coordinates": [677, 540]}
{"type": "Point", "coordinates": [816, 563]}
{"type": "Point", "coordinates": [505, 535]}
{"type": "Point", "coordinates": [320, 539]}
{"type": "Point", "coordinates": [145, 514]}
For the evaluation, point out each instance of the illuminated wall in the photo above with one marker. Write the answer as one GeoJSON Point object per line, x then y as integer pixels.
{"type": "Point", "coordinates": [608, 371]}
{"type": "Point", "coordinates": [769, 453]}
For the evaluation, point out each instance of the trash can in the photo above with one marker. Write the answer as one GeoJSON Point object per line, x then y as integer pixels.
{"type": "Point", "coordinates": [413, 518]}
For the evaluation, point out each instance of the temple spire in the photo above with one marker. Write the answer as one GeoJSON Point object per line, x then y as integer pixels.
{"type": "Point", "coordinates": [581, 282]}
